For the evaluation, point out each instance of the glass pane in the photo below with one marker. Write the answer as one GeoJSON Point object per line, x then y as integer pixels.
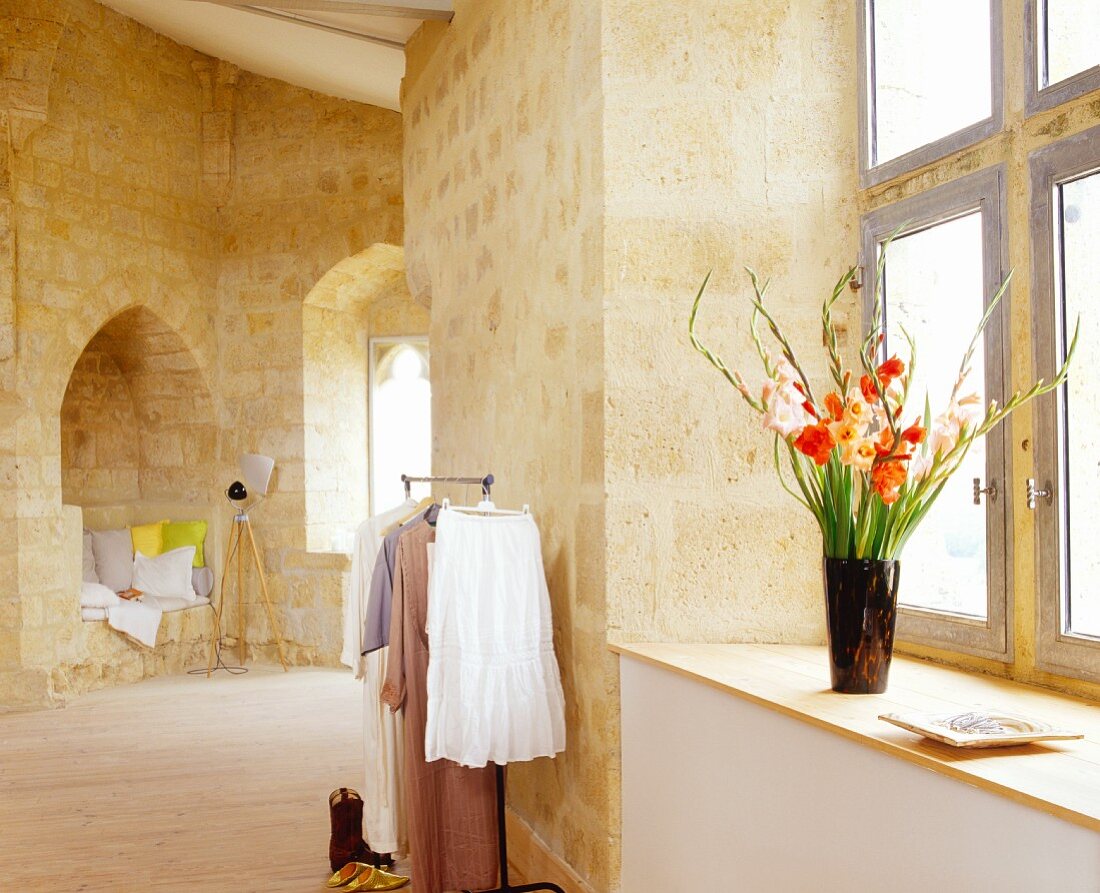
{"type": "Point", "coordinates": [931, 71]}
{"type": "Point", "coordinates": [1080, 210]}
{"type": "Point", "coordinates": [1072, 38]}
{"type": "Point", "coordinates": [935, 289]}
{"type": "Point", "coordinates": [401, 421]}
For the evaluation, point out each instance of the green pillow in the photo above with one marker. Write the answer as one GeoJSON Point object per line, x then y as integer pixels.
{"type": "Point", "coordinates": [186, 533]}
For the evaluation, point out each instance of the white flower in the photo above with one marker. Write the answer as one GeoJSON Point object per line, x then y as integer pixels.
{"type": "Point", "coordinates": [783, 409]}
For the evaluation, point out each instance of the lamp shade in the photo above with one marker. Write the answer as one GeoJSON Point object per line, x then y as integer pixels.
{"type": "Point", "coordinates": [257, 472]}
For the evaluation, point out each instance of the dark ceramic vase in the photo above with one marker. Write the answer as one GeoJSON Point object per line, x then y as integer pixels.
{"type": "Point", "coordinates": [861, 599]}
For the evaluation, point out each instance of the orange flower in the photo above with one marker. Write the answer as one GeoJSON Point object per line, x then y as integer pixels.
{"type": "Point", "coordinates": [835, 407]}
{"type": "Point", "coordinates": [816, 441]}
{"type": "Point", "coordinates": [914, 434]}
{"type": "Point", "coordinates": [844, 433]}
{"type": "Point", "coordinates": [870, 392]}
{"type": "Point", "coordinates": [810, 408]}
{"type": "Point", "coordinates": [887, 478]}
{"type": "Point", "coordinates": [888, 371]}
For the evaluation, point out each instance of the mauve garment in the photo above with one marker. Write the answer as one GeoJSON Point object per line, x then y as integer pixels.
{"type": "Point", "coordinates": [376, 625]}
{"type": "Point", "coordinates": [451, 808]}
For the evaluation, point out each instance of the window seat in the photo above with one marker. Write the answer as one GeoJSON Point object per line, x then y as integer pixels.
{"type": "Point", "coordinates": [167, 605]}
{"type": "Point", "coordinates": [741, 754]}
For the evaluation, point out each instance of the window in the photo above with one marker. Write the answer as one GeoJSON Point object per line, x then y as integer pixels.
{"type": "Point", "coordinates": [932, 81]}
{"type": "Point", "coordinates": [1063, 51]}
{"type": "Point", "coordinates": [939, 274]}
{"type": "Point", "coordinates": [1066, 271]}
{"type": "Point", "coordinates": [400, 418]}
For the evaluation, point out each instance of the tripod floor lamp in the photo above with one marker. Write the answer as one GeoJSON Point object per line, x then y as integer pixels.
{"type": "Point", "coordinates": [257, 472]}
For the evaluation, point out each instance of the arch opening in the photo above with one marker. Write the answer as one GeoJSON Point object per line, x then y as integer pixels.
{"type": "Point", "coordinates": [362, 301]}
{"type": "Point", "coordinates": [137, 420]}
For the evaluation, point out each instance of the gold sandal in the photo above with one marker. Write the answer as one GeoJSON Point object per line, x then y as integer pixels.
{"type": "Point", "coordinates": [376, 879]}
{"type": "Point", "coordinates": [347, 874]}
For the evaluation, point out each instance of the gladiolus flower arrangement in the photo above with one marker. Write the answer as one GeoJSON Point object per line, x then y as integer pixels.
{"type": "Point", "coordinates": [867, 467]}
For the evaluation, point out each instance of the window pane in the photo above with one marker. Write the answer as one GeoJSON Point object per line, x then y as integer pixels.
{"type": "Point", "coordinates": [1072, 38]}
{"type": "Point", "coordinates": [401, 421]}
{"type": "Point", "coordinates": [1080, 285]}
{"type": "Point", "coordinates": [934, 288]}
{"type": "Point", "coordinates": [931, 72]}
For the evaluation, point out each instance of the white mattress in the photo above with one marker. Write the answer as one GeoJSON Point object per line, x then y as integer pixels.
{"type": "Point", "coordinates": [167, 605]}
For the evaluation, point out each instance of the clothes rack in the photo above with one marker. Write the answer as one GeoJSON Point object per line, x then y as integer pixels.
{"type": "Point", "coordinates": [502, 822]}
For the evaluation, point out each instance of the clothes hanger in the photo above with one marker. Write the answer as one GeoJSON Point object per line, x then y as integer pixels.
{"type": "Point", "coordinates": [424, 503]}
{"type": "Point", "coordinates": [485, 507]}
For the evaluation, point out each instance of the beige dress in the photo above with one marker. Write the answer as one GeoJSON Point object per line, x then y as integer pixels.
{"type": "Point", "coordinates": [451, 808]}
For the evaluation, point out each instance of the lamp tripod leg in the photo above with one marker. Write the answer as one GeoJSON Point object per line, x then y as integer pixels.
{"type": "Point", "coordinates": [234, 537]}
{"type": "Point", "coordinates": [242, 648]}
{"type": "Point", "coordinates": [267, 597]}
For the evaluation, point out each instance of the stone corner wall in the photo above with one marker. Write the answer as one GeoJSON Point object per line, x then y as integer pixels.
{"type": "Point", "coordinates": [502, 114]}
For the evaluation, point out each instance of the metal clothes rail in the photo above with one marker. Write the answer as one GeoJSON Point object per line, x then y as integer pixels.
{"type": "Point", "coordinates": [502, 823]}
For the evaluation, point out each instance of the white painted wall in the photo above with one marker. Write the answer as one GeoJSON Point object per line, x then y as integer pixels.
{"type": "Point", "coordinates": [721, 795]}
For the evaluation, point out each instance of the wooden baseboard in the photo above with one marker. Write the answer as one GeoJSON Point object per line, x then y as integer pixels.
{"type": "Point", "coordinates": [533, 861]}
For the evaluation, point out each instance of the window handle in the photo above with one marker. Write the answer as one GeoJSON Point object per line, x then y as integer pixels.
{"type": "Point", "coordinates": [990, 491]}
{"type": "Point", "coordinates": [1034, 494]}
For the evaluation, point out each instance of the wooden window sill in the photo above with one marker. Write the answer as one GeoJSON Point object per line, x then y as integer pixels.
{"type": "Point", "coordinates": [1060, 777]}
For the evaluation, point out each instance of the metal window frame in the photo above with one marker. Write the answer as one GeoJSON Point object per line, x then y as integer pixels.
{"type": "Point", "coordinates": [872, 175]}
{"type": "Point", "coordinates": [984, 191]}
{"type": "Point", "coordinates": [1039, 98]}
{"type": "Point", "coordinates": [1068, 159]}
{"type": "Point", "coordinates": [373, 343]}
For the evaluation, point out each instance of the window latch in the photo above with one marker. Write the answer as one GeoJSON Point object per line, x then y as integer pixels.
{"type": "Point", "coordinates": [990, 491]}
{"type": "Point", "coordinates": [1034, 494]}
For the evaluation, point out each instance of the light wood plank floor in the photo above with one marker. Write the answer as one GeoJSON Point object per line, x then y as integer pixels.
{"type": "Point", "coordinates": [180, 784]}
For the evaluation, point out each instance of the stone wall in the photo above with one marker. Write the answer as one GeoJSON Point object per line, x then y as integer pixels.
{"type": "Point", "coordinates": [138, 173]}
{"type": "Point", "coordinates": [316, 180]}
{"type": "Point", "coordinates": [572, 171]}
{"type": "Point", "coordinates": [503, 193]}
{"type": "Point", "coordinates": [753, 163]}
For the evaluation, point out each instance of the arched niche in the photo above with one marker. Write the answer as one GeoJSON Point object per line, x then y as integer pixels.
{"type": "Point", "coordinates": [137, 419]}
{"type": "Point", "coordinates": [364, 296]}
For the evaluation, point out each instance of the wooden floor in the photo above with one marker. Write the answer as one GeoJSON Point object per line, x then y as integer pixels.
{"type": "Point", "coordinates": [180, 783]}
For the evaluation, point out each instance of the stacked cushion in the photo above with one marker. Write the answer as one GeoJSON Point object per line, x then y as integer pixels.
{"type": "Point", "coordinates": [167, 575]}
{"type": "Point", "coordinates": [148, 538]}
{"type": "Point", "coordinates": [87, 560]}
{"type": "Point", "coordinates": [185, 533]}
{"type": "Point", "coordinates": [110, 557]}
{"type": "Point", "coordinates": [114, 558]}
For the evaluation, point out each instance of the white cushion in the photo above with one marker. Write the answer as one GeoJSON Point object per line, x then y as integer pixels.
{"type": "Point", "coordinates": [87, 560]}
{"type": "Point", "coordinates": [96, 595]}
{"type": "Point", "coordinates": [90, 615]}
{"type": "Point", "coordinates": [167, 575]}
{"type": "Point", "coordinates": [114, 558]}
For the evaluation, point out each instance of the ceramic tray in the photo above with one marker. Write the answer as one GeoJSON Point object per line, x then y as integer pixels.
{"type": "Point", "coordinates": [979, 728]}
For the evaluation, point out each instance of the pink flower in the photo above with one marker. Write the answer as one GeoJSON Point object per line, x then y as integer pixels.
{"type": "Point", "coordinates": [944, 434]}
{"type": "Point", "coordinates": [784, 412]}
{"type": "Point", "coordinates": [919, 466]}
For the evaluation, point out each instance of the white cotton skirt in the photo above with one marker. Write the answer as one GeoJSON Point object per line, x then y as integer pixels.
{"type": "Point", "coordinates": [494, 689]}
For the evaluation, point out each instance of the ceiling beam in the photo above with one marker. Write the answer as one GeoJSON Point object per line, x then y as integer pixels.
{"type": "Point", "coordinates": [440, 10]}
{"type": "Point", "coordinates": [306, 22]}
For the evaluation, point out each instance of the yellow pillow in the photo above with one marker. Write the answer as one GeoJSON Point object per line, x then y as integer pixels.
{"type": "Point", "coordinates": [186, 533]}
{"type": "Point", "coordinates": [148, 539]}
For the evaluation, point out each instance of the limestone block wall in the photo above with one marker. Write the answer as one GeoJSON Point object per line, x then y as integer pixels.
{"type": "Point", "coordinates": [138, 173]}
{"type": "Point", "coordinates": [316, 180]}
{"type": "Point", "coordinates": [100, 449]}
{"type": "Point", "coordinates": [752, 162]}
{"type": "Point", "coordinates": [503, 175]}
{"type": "Point", "coordinates": [108, 215]}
